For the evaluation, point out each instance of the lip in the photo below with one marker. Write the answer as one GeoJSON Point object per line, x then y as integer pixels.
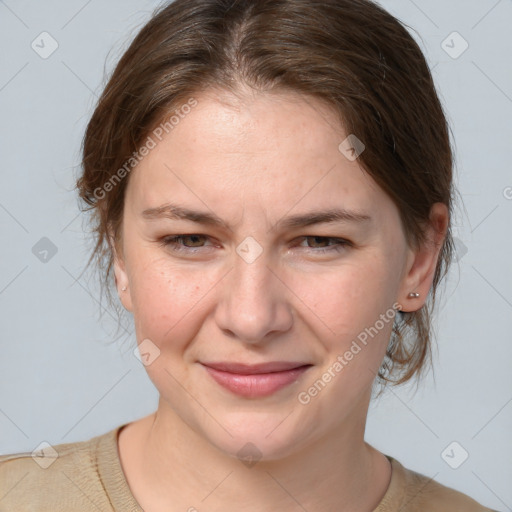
{"type": "Point", "coordinates": [255, 381]}
{"type": "Point", "coordinates": [251, 369]}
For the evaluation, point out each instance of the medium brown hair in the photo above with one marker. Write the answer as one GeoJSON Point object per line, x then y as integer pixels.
{"type": "Point", "coordinates": [350, 54]}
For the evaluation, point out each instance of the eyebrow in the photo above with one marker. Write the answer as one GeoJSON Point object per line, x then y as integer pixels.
{"type": "Point", "coordinates": [175, 212]}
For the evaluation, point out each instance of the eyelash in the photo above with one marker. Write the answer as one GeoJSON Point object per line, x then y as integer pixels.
{"type": "Point", "coordinates": [173, 243]}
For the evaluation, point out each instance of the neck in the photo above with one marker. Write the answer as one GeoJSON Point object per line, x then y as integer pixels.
{"type": "Point", "coordinates": [177, 469]}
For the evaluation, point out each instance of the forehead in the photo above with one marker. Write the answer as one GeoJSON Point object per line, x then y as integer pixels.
{"type": "Point", "coordinates": [274, 150]}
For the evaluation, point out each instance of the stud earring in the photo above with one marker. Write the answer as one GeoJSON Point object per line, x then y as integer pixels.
{"type": "Point", "coordinates": [413, 295]}
{"type": "Point", "coordinates": [123, 289]}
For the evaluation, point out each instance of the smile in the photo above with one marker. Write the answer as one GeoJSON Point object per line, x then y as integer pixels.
{"type": "Point", "coordinates": [255, 381]}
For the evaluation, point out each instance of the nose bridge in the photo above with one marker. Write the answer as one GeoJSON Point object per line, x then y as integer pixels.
{"type": "Point", "coordinates": [251, 274]}
{"type": "Point", "coordinates": [253, 301]}
{"type": "Point", "coordinates": [251, 261]}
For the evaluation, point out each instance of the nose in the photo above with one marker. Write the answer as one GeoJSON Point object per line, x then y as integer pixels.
{"type": "Point", "coordinates": [254, 302]}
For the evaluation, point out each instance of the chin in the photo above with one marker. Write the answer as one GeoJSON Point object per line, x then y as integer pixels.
{"type": "Point", "coordinates": [257, 437]}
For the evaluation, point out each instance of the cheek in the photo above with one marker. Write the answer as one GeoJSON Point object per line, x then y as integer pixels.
{"type": "Point", "coordinates": [346, 299]}
{"type": "Point", "coordinates": [166, 299]}
{"type": "Point", "coordinates": [352, 309]}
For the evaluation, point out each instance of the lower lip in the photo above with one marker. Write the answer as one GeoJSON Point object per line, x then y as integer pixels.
{"type": "Point", "coordinates": [256, 385]}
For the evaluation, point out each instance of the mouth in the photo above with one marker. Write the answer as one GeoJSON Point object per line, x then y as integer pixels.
{"type": "Point", "coordinates": [256, 381]}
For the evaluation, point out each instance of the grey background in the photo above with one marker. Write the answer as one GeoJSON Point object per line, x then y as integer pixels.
{"type": "Point", "coordinates": [60, 379]}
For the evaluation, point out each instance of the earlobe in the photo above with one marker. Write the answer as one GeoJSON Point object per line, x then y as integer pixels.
{"type": "Point", "coordinates": [422, 262]}
{"type": "Point", "coordinates": [120, 274]}
{"type": "Point", "coordinates": [122, 284]}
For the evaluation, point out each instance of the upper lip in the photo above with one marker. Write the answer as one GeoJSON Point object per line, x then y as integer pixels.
{"type": "Point", "coordinates": [251, 369]}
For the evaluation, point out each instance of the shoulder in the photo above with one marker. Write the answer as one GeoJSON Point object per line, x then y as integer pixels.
{"type": "Point", "coordinates": [421, 493]}
{"type": "Point", "coordinates": [59, 477]}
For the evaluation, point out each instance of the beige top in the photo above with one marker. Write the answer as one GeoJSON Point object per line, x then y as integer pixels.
{"type": "Point", "coordinates": [87, 476]}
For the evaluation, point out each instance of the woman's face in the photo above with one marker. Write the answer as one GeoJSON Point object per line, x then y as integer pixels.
{"type": "Point", "coordinates": [254, 287]}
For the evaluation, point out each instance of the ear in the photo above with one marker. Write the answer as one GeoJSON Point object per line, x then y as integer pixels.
{"type": "Point", "coordinates": [422, 262]}
{"type": "Point", "coordinates": [120, 274]}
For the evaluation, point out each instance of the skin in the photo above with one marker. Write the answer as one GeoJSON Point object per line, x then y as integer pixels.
{"type": "Point", "coordinates": [252, 160]}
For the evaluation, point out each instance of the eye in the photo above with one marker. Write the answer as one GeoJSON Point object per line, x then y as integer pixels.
{"type": "Point", "coordinates": [175, 242]}
{"type": "Point", "coordinates": [339, 245]}
{"type": "Point", "coordinates": [195, 242]}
